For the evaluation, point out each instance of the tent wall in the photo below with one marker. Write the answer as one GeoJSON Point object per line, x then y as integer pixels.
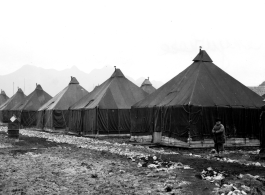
{"type": "Point", "coordinates": [124, 121]}
{"type": "Point", "coordinates": [142, 121]}
{"type": "Point", "coordinates": [28, 118]}
{"type": "Point", "coordinates": [75, 121]}
{"type": "Point", "coordinates": [17, 113]}
{"type": "Point", "coordinates": [47, 119]}
{"type": "Point", "coordinates": [52, 119]}
{"type": "Point", "coordinates": [114, 121]}
{"type": "Point", "coordinates": [44, 119]}
{"type": "Point", "coordinates": [89, 122]}
{"type": "Point", "coordinates": [1, 116]}
{"type": "Point", "coordinates": [40, 118]}
{"type": "Point", "coordinates": [262, 128]}
{"type": "Point", "coordinates": [103, 122]}
{"type": "Point", "coordinates": [175, 122]}
{"type": "Point", "coordinates": [5, 116]}
{"type": "Point", "coordinates": [196, 122]}
{"type": "Point", "coordinates": [100, 121]}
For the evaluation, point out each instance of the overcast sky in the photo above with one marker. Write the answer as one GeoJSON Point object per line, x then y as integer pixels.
{"type": "Point", "coordinates": [144, 38]}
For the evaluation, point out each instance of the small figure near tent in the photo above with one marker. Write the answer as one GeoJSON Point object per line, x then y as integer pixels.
{"type": "Point", "coordinates": [218, 136]}
{"type": "Point", "coordinates": [13, 127]}
{"type": "Point", "coordinates": [14, 118]}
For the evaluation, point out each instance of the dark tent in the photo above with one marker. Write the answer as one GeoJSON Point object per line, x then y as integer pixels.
{"type": "Point", "coordinates": [187, 105]}
{"type": "Point", "coordinates": [5, 108]}
{"type": "Point", "coordinates": [54, 114]}
{"type": "Point", "coordinates": [3, 97]}
{"type": "Point", "coordinates": [106, 110]}
{"type": "Point", "coordinates": [27, 110]}
{"type": "Point", "coordinates": [147, 86]}
{"type": "Point", "coordinates": [262, 128]}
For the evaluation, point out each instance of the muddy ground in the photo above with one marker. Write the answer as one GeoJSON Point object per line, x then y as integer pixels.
{"type": "Point", "coordinates": [37, 166]}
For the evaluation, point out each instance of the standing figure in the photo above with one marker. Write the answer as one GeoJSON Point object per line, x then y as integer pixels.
{"type": "Point", "coordinates": [218, 136]}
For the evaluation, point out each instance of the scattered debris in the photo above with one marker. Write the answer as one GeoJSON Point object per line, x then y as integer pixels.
{"type": "Point", "coordinates": [243, 161]}
{"type": "Point", "coordinates": [168, 188]}
{"type": "Point", "coordinates": [94, 175]}
{"type": "Point", "coordinates": [244, 184]}
{"type": "Point", "coordinates": [213, 176]}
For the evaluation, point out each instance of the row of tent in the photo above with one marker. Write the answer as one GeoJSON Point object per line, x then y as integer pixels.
{"type": "Point", "coordinates": [186, 106]}
{"type": "Point", "coordinates": [40, 110]}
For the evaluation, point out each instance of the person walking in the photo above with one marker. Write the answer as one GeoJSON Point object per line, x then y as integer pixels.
{"type": "Point", "coordinates": [218, 137]}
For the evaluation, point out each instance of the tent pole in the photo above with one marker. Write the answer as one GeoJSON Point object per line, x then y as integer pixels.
{"type": "Point", "coordinates": [108, 121]}
{"type": "Point", "coordinates": [189, 138]}
{"type": "Point", "coordinates": [262, 131]}
{"type": "Point", "coordinates": [202, 126]}
{"type": "Point", "coordinates": [81, 123]}
{"type": "Point", "coordinates": [97, 120]}
{"type": "Point", "coordinates": [118, 122]}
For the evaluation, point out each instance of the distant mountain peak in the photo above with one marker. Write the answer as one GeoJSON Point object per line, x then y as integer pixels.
{"type": "Point", "coordinates": [262, 84]}
{"type": "Point", "coordinates": [52, 80]}
{"type": "Point", "coordinates": [28, 66]}
{"type": "Point", "coordinates": [74, 67]}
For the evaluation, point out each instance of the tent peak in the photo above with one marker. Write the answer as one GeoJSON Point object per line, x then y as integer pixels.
{"type": "Point", "coordinates": [38, 86]}
{"type": "Point", "coordinates": [3, 92]}
{"type": "Point", "coordinates": [73, 81]}
{"type": "Point", "coordinates": [146, 82]}
{"type": "Point", "coordinates": [202, 57]}
{"type": "Point", "coordinates": [19, 90]}
{"type": "Point", "coordinates": [117, 73]}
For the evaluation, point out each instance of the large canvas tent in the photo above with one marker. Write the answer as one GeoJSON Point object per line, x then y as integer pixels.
{"type": "Point", "coordinates": [3, 97]}
{"type": "Point", "coordinates": [27, 110]}
{"type": "Point", "coordinates": [106, 110]}
{"type": "Point", "coordinates": [187, 105]}
{"type": "Point", "coordinates": [5, 108]}
{"type": "Point", "coordinates": [54, 114]}
{"type": "Point", "coordinates": [147, 86]}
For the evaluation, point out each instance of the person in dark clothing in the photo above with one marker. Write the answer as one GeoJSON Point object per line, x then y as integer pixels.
{"type": "Point", "coordinates": [218, 136]}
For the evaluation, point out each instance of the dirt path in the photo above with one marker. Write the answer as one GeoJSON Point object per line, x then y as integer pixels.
{"type": "Point", "coordinates": [35, 165]}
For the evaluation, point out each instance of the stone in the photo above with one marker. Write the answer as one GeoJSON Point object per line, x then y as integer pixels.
{"type": "Point", "coordinates": [226, 188]}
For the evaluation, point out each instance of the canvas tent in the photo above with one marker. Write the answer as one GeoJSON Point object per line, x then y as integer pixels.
{"type": "Point", "coordinates": [3, 97]}
{"type": "Point", "coordinates": [262, 128]}
{"type": "Point", "coordinates": [147, 86]}
{"type": "Point", "coordinates": [106, 110]}
{"type": "Point", "coordinates": [54, 114]}
{"type": "Point", "coordinates": [187, 105]}
{"type": "Point", "coordinates": [27, 110]}
{"type": "Point", "coordinates": [5, 108]}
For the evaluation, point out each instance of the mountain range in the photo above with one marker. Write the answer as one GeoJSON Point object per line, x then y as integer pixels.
{"type": "Point", "coordinates": [53, 81]}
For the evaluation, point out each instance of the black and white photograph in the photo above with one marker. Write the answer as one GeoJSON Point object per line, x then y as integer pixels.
{"type": "Point", "coordinates": [118, 97]}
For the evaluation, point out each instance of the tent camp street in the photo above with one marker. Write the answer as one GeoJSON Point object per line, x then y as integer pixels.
{"type": "Point", "coordinates": [45, 163]}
